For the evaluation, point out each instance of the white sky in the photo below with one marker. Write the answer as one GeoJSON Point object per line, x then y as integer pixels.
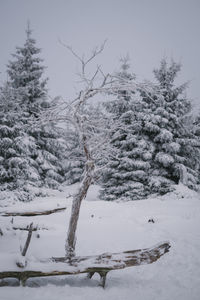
{"type": "Point", "coordinates": [146, 29]}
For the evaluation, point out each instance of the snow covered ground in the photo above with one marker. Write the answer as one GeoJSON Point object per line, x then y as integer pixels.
{"type": "Point", "coordinates": [111, 227]}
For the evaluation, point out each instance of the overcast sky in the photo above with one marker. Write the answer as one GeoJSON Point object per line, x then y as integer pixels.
{"type": "Point", "coordinates": [146, 29]}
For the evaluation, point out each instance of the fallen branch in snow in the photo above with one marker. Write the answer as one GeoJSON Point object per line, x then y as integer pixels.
{"type": "Point", "coordinates": [1, 232]}
{"type": "Point", "coordinates": [27, 228]}
{"type": "Point", "coordinates": [33, 213]}
{"type": "Point", "coordinates": [100, 264]}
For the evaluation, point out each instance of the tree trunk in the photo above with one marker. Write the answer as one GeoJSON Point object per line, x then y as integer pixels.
{"type": "Point", "coordinates": [183, 174]}
{"type": "Point", "coordinates": [85, 184]}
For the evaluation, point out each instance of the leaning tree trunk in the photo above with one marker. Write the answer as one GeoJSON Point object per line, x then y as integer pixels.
{"type": "Point", "coordinates": [82, 192]}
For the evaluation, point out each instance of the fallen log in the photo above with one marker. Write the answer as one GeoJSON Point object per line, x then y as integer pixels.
{"type": "Point", "coordinates": [101, 264]}
{"type": "Point", "coordinates": [33, 213]}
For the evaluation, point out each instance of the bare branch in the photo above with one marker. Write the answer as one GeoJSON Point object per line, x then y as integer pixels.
{"type": "Point", "coordinates": [71, 50]}
{"type": "Point", "coordinates": [84, 62]}
{"type": "Point", "coordinates": [97, 50]}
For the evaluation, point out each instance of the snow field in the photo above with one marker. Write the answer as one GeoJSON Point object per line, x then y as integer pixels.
{"type": "Point", "coordinates": [112, 227]}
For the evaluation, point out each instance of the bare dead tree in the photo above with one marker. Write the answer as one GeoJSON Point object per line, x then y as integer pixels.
{"type": "Point", "coordinates": [74, 112]}
{"type": "Point", "coordinates": [81, 123]}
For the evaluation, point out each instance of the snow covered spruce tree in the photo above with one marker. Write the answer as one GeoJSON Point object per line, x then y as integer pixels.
{"type": "Point", "coordinates": [14, 166]}
{"type": "Point", "coordinates": [165, 122]}
{"type": "Point", "coordinates": [194, 133]}
{"type": "Point", "coordinates": [126, 173]}
{"type": "Point", "coordinates": [153, 145]}
{"type": "Point", "coordinates": [42, 147]}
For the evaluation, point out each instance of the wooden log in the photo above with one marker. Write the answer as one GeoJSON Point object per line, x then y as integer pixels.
{"type": "Point", "coordinates": [22, 264]}
{"type": "Point", "coordinates": [121, 259]}
{"type": "Point", "coordinates": [22, 276]}
{"type": "Point", "coordinates": [100, 264]}
{"type": "Point", "coordinates": [27, 240]}
{"type": "Point", "coordinates": [33, 213]}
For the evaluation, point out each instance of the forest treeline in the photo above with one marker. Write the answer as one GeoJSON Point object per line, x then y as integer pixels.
{"type": "Point", "coordinates": [152, 139]}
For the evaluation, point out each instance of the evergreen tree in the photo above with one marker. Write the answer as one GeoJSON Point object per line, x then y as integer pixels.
{"type": "Point", "coordinates": [13, 153]}
{"type": "Point", "coordinates": [194, 129]}
{"type": "Point", "coordinates": [126, 173]}
{"type": "Point", "coordinates": [41, 148]}
{"type": "Point", "coordinates": [25, 75]}
{"type": "Point", "coordinates": [154, 145]}
{"type": "Point", "coordinates": [165, 122]}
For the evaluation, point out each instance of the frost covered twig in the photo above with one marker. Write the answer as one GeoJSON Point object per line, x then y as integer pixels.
{"type": "Point", "coordinates": [85, 61]}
